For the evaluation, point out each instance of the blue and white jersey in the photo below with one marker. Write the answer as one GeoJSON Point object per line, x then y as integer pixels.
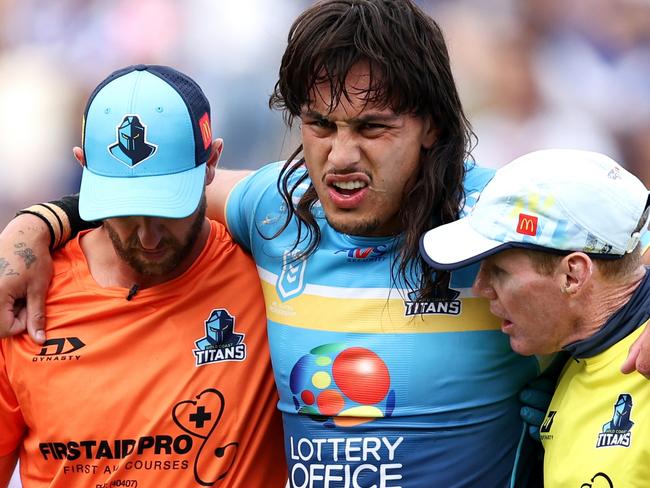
{"type": "Point", "coordinates": [377, 389]}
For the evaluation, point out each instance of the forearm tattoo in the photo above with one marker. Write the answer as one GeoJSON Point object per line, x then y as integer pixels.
{"type": "Point", "coordinates": [29, 258]}
{"type": "Point", "coordinates": [26, 253]}
{"type": "Point", "coordinates": [5, 269]}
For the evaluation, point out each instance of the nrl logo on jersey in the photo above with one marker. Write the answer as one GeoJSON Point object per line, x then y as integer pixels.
{"type": "Point", "coordinates": [616, 432]}
{"type": "Point", "coordinates": [291, 282]}
{"type": "Point", "coordinates": [221, 342]}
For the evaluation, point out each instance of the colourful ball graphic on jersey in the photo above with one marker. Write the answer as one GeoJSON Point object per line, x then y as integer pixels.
{"type": "Point", "coordinates": [342, 386]}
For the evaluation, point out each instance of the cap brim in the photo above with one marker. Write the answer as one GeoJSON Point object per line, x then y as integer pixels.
{"type": "Point", "coordinates": [456, 245]}
{"type": "Point", "coordinates": [173, 196]}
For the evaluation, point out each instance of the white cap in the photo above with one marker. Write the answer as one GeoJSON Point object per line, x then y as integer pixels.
{"type": "Point", "coordinates": [555, 199]}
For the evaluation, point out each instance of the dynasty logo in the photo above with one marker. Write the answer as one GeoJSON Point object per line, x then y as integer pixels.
{"type": "Point", "coordinates": [616, 432]}
{"type": "Point", "coordinates": [221, 342]}
{"type": "Point", "coordinates": [60, 349]}
{"type": "Point", "coordinates": [548, 421]}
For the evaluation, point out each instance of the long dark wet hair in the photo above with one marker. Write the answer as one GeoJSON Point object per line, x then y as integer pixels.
{"type": "Point", "coordinates": [410, 74]}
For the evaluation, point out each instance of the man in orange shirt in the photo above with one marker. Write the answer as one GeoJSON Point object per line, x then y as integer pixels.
{"type": "Point", "coordinates": [156, 370]}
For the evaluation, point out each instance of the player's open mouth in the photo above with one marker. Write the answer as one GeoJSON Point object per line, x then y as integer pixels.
{"type": "Point", "coordinates": [506, 325]}
{"type": "Point", "coordinates": [347, 191]}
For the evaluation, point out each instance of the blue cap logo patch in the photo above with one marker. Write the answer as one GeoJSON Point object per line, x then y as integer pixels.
{"type": "Point", "coordinates": [131, 146]}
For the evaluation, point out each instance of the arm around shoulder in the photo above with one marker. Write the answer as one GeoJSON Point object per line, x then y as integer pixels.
{"type": "Point", "coordinates": [638, 358]}
{"type": "Point", "coordinates": [25, 273]}
{"type": "Point", "coordinates": [217, 192]}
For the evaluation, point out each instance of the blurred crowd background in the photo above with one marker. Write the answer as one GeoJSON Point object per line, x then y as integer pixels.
{"type": "Point", "coordinates": [531, 73]}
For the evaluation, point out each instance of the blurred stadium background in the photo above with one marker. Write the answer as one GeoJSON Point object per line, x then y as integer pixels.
{"type": "Point", "coordinates": [532, 74]}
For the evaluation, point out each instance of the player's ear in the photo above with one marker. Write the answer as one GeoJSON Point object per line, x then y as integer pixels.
{"type": "Point", "coordinates": [79, 156]}
{"type": "Point", "coordinates": [213, 160]}
{"type": "Point", "coordinates": [576, 270]}
{"type": "Point", "coordinates": [429, 134]}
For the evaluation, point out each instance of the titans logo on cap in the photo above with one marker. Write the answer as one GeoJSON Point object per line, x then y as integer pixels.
{"type": "Point", "coordinates": [131, 146]}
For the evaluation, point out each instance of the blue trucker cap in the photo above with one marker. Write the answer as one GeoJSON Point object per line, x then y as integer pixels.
{"type": "Point", "coordinates": [146, 137]}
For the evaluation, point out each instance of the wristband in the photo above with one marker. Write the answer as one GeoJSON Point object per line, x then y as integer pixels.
{"type": "Point", "coordinates": [62, 219]}
{"type": "Point", "coordinates": [70, 205]}
{"type": "Point", "coordinates": [55, 219]}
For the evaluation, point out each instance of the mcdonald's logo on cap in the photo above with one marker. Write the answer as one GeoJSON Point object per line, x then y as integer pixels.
{"type": "Point", "coordinates": [206, 130]}
{"type": "Point", "coordinates": [527, 225]}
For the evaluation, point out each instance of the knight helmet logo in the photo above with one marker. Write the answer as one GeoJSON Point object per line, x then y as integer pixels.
{"type": "Point", "coordinates": [219, 330]}
{"type": "Point", "coordinates": [131, 146]}
{"type": "Point", "coordinates": [617, 432]}
{"type": "Point", "coordinates": [621, 418]}
{"type": "Point", "coordinates": [221, 342]}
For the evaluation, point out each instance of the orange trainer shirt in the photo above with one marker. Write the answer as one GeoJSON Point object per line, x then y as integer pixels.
{"type": "Point", "coordinates": [170, 389]}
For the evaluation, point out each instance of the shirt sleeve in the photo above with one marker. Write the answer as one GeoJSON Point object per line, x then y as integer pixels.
{"type": "Point", "coordinates": [243, 207]}
{"type": "Point", "coordinates": [12, 424]}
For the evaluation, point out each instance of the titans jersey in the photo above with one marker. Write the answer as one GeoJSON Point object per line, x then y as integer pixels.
{"type": "Point", "coordinates": [597, 427]}
{"type": "Point", "coordinates": [377, 389]}
{"type": "Point", "coordinates": [170, 389]}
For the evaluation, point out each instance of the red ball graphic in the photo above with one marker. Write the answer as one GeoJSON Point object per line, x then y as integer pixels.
{"type": "Point", "coordinates": [307, 397]}
{"type": "Point", "coordinates": [361, 375]}
{"type": "Point", "coordinates": [330, 402]}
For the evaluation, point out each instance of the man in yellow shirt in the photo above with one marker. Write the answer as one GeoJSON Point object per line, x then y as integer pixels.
{"type": "Point", "coordinates": [559, 235]}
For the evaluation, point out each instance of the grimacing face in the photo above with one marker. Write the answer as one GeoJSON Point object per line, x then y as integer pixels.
{"type": "Point", "coordinates": [154, 246]}
{"type": "Point", "coordinates": [529, 303]}
{"type": "Point", "coordinates": [361, 157]}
